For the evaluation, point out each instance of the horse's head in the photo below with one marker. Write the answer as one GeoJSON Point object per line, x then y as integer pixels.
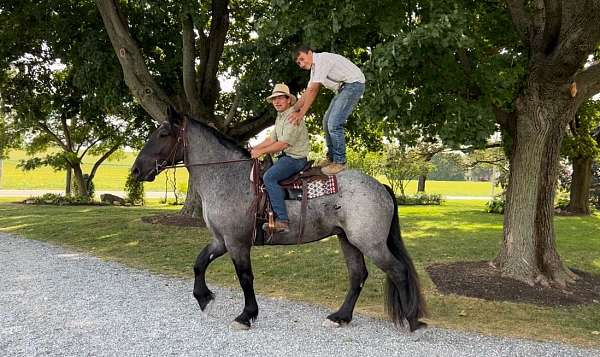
{"type": "Point", "coordinates": [164, 147]}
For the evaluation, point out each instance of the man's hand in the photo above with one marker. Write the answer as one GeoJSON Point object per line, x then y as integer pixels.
{"type": "Point", "coordinates": [296, 117]}
{"type": "Point", "coordinates": [255, 153]}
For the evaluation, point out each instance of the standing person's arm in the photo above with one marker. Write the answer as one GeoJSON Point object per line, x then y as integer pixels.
{"type": "Point", "coordinates": [304, 103]}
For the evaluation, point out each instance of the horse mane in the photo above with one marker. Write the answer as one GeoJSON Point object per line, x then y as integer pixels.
{"type": "Point", "coordinates": [223, 139]}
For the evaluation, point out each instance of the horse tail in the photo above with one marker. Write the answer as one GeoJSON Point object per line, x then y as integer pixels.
{"type": "Point", "coordinates": [403, 303]}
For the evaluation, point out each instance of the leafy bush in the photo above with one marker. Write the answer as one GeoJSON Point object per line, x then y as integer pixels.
{"type": "Point", "coordinates": [433, 199]}
{"type": "Point", "coordinates": [134, 190]}
{"type": "Point", "coordinates": [562, 202]}
{"type": "Point", "coordinates": [496, 205]}
{"type": "Point", "coordinates": [595, 188]}
{"type": "Point", "coordinates": [60, 200]}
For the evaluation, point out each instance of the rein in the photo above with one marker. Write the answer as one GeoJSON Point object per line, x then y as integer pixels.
{"type": "Point", "coordinates": [182, 140]}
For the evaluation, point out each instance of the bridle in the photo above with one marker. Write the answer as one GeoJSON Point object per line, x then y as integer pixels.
{"type": "Point", "coordinates": [182, 141]}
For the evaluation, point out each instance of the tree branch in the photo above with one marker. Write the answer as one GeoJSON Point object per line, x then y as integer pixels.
{"type": "Point", "coordinates": [536, 31]}
{"type": "Point", "coordinates": [55, 137]}
{"type": "Point", "coordinates": [234, 106]}
{"type": "Point", "coordinates": [219, 25]}
{"type": "Point", "coordinates": [520, 19]}
{"type": "Point", "coordinates": [63, 121]}
{"type": "Point", "coordinates": [189, 65]}
{"type": "Point", "coordinates": [579, 34]}
{"type": "Point", "coordinates": [101, 160]}
{"type": "Point", "coordinates": [137, 77]}
{"type": "Point", "coordinates": [552, 24]}
{"type": "Point", "coordinates": [588, 83]}
{"type": "Point", "coordinates": [473, 89]}
{"type": "Point", "coordinates": [89, 147]}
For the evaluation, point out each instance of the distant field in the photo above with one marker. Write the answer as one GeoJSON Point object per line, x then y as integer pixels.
{"type": "Point", "coordinates": [112, 175]}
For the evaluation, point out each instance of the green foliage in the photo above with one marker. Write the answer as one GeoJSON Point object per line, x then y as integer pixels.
{"type": "Point", "coordinates": [595, 187]}
{"type": "Point", "coordinates": [134, 190]}
{"type": "Point", "coordinates": [62, 85]}
{"type": "Point", "coordinates": [402, 166]}
{"type": "Point", "coordinates": [579, 143]}
{"type": "Point", "coordinates": [447, 167]}
{"type": "Point", "coordinates": [60, 200]}
{"type": "Point", "coordinates": [432, 199]}
{"type": "Point", "coordinates": [368, 162]}
{"type": "Point", "coordinates": [496, 205]}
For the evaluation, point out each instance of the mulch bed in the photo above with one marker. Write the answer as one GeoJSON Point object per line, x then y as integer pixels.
{"type": "Point", "coordinates": [174, 219]}
{"type": "Point", "coordinates": [480, 280]}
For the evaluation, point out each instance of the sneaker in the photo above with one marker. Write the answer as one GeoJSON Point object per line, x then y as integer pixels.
{"type": "Point", "coordinates": [278, 227]}
{"type": "Point", "coordinates": [333, 168]}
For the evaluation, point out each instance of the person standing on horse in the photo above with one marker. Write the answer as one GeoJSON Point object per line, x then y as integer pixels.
{"type": "Point", "coordinates": [347, 81]}
{"type": "Point", "coordinates": [289, 139]}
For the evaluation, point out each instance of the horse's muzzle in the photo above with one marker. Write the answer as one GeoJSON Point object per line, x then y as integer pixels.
{"type": "Point", "coordinates": [137, 174]}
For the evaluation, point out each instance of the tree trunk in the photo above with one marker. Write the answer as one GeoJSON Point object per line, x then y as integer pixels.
{"type": "Point", "coordinates": [528, 251]}
{"type": "Point", "coordinates": [581, 180]}
{"type": "Point", "coordinates": [549, 263]}
{"type": "Point", "coordinates": [421, 183]}
{"type": "Point", "coordinates": [68, 181]}
{"type": "Point", "coordinates": [193, 203]}
{"type": "Point", "coordinates": [81, 184]}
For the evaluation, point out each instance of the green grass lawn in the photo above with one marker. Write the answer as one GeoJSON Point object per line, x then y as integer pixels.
{"type": "Point", "coordinates": [316, 272]}
{"type": "Point", "coordinates": [113, 174]}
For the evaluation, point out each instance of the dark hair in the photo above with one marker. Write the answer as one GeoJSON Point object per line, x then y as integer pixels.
{"type": "Point", "coordinates": [301, 49]}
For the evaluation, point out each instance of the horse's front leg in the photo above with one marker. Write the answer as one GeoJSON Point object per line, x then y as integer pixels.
{"type": "Point", "coordinates": [211, 252]}
{"type": "Point", "coordinates": [243, 268]}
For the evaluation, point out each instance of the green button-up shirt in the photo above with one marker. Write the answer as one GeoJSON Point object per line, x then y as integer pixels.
{"type": "Point", "coordinates": [296, 136]}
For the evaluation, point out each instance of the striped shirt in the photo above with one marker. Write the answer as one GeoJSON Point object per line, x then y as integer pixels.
{"type": "Point", "coordinates": [333, 70]}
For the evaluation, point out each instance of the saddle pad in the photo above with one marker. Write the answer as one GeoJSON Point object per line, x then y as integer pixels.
{"type": "Point", "coordinates": [319, 188]}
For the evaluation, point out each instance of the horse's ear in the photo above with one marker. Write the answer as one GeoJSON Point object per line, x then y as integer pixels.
{"type": "Point", "coordinates": [173, 115]}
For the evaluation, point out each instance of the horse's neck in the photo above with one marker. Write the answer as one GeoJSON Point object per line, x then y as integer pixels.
{"type": "Point", "coordinates": [207, 158]}
{"type": "Point", "coordinates": [205, 146]}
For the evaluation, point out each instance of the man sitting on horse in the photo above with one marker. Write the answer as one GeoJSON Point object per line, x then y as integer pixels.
{"type": "Point", "coordinates": [289, 139]}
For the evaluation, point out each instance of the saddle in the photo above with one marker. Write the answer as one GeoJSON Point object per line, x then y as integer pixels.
{"type": "Point", "coordinates": [295, 187]}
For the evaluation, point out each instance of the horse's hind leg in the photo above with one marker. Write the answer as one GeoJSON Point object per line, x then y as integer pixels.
{"type": "Point", "coordinates": [243, 268]}
{"type": "Point", "coordinates": [357, 274]}
{"type": "Point", "coordinates": [211, 252]}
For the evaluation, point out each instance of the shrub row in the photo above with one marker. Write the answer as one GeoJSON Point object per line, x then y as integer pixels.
{"type": "Point", "coordinates": [433, 199]}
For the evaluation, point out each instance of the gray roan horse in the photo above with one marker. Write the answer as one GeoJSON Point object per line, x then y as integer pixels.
{"type": "Point", "coordinates": [363, 214]}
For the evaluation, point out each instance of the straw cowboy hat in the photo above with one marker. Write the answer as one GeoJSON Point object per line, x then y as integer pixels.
{"type": "Point", "coordinates": [281, 89]}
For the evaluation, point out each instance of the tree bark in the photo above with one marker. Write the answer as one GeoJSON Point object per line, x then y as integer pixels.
{"type": "Point", "coordinates": [69, 178]}
{"type": "Point", "coordinates": [551, 267]}
{"type": "Point", "coordinates": [421, 183]}
{"type": "Point", "coordinates": [581, 180]}
{"type": "Point", "coordinates": [193, 203]}
{"type": "Point", "coordinates": [528, 251]}
{"type": "Point", "coordinates": [81, 184]}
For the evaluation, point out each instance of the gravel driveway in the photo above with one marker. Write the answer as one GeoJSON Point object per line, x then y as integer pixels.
{"type": "Point", "coordinates": [55, 302]}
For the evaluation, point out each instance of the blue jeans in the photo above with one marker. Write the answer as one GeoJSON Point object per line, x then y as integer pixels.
{"type": "Point", "coordinates": [335, 119]}
{"type": "Point", "coordinates": [283, 168]}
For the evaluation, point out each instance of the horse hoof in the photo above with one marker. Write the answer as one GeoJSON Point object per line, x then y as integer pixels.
{"type": "Point", "coordinates": [237, 326]}
{"type": "Point", "coordinates": [331, 324]}
{"type": "Point", "coordinates": [207, 309]}
{"type": "Point", "coordinates": [418, 334]}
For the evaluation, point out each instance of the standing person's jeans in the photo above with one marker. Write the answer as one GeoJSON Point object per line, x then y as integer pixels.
{"type": "Point", "coordinates": [335, 119]}
{"type": "Point", "coordinates": [283, 168]}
